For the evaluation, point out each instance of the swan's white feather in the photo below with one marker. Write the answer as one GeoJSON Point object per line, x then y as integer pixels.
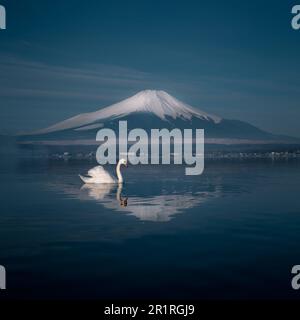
{"type": "Point", "coordinates": [98, 175]}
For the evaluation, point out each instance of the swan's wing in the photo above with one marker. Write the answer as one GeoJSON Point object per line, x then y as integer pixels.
{"type": "Point", "coordinates": [98, 171]}
{"type": "Point", "coordinates": [99, 175]}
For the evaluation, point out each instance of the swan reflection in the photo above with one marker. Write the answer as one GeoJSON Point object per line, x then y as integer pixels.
{"type": "Point", "coordinates": [146, 197]}
{"type": "Point", "coordinates": [155, 208]}
{"type": "Point", "coordinates": [120, 198]}
{"type": "Point", "coordinates": [97, 191]}
{"type": "Point", "coordinates": [100, 191]}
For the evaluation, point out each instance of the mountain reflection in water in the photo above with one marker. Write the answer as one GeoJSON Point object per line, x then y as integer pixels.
{"type": "Point", "coordinates": [156, 206]}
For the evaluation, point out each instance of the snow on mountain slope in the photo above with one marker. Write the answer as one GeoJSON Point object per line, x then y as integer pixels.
{"type": "Point", "coordinates": [158, 103]}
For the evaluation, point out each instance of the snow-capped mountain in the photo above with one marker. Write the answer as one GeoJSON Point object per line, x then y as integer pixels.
{"type": "Point", "coordinates": [157, 103]}
{"type": "Point", "coordinates": [151, 109]}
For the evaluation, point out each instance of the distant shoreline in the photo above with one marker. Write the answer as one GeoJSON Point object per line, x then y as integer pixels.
{"type": "Point", "coordinates": [215, 141]}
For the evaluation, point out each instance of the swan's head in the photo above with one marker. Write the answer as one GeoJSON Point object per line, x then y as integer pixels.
{"type": "Point", "coordinates": [123, 161]}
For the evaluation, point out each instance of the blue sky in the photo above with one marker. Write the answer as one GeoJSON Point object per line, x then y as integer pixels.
{"type": "Point", "coordinates": [237, 59]}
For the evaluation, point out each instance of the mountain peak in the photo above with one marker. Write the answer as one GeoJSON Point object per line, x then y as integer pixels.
{"type": "Point", "coordinates": [152, 94]}
{"type": "Point", "coordinates": [159, 103]}
{"type": "Point", "coordinates": [149, 92]}
{"type": "Point", "coordinates": [155, 102]}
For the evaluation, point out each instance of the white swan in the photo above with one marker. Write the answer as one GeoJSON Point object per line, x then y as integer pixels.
{"type": "Point", "coordinates": [99, 175]}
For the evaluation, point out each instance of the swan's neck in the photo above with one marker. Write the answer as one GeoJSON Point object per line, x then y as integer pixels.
{"type": "Point", "coordinates": [119, 175]}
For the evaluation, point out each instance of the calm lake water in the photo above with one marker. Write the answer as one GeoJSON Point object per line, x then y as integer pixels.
{"type": "Point", "coordinates": [233, 232]}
